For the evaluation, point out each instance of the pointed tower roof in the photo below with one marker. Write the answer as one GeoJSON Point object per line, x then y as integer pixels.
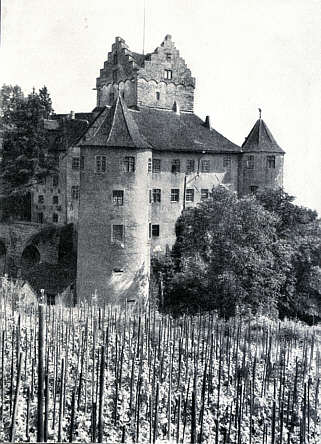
{"type": "Point", "coordinates": [114, 126]}
{"type": "Point", "coordinates": [260, 139]}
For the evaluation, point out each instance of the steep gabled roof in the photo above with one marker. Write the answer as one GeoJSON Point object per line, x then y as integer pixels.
{"type": "Point", "coordinates": [114, 126]}
{"type": "Point", "coordinates": [154, 128]}
{"type": "Point", "coordinates": [260, 139]}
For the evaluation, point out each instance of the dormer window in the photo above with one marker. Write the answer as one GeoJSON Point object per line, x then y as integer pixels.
{"type": "Point", "coordinates": [115, 59]}
{"type": "Point", "coordinates": [168, 74]}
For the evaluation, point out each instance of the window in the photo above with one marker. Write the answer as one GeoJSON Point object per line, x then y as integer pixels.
{"type": "Point", "coordinates": [253, 188]}
{"type": "Point", "coordinates": [205, 166]}
{"type": "Point", "coordinates": [129, 164]}
{"type": "Point", "coordinates": [227, 161]}
{"type": "Point", "coordinates": [189, 197]}
{"type": "Point", "coordinates": [204, 194]}
{"type": "Point", "coordinates": [100, 164]}
{"type": "Point", "coordinates": [55, 181]}
{"type": "Point", "coordinates": [115, 74]}
{"type": "Point", "coordinates": [75, 192]}
{"type": "Point", "coordinates": [168, 74]}
{"type": "Point", "coordinates": [42, 180]}
{"type": "Point", "coordinates": [115, 59]}
{"type": "Point", "coordinates": [168, 57]}
{"type": "Point", "coordinates": [174, 195]}
{"type": "Point", "coordinates": [41, 199]}
{"type": "Point", "coordinates": [75, 163]}
{"type": "Point", "coordinates": [149, 166]}
{"type": "Point", "coordinates": [176, 166]}
{"type": "Point", "coordinates": [118, 197]}
{"type": "Point", "coordinates": [156, 195]}
{"type": "Point", "coordinates": [55, 218]}
{"type": "Point", "coordinates": [55, 200]}
{"type": "Point", "coordinates": [155, 230]}
{"type": "Point", "coordinates": [82, 162]}
{"type": "Point", "coordinates": [117, 234]}
{"type": "Point", "coordinates": [112, 97]}
{"type": "Point", "coordinates": [157, 95]}
{"type": "Point", "coordinates": [40, 218]}
{"type": "Point", "coordinates": [156, 165]}
{"type": "Point", "coordinates": [190, 166]}
{"type": "Point", "coordinates": [149, 230]}
{"type": "Point", "coordinates": [150, 196]}
{"type": "Point", "coordinates": [270, 161]}
{"type": "Point", "coordinates": [250, 162]}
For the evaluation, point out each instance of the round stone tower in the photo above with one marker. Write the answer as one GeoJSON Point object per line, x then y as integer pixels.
{"type": "Point", "coordinates": [113, 238]}
{"type": "Point", "coordinates": [261, 164]}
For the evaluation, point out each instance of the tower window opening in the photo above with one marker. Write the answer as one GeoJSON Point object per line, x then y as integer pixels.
{"type": "Point", "coordinates": [205, 166]}
{"type": "Point", "coordinates": [156, 165]}
{"type": "Point", "coordinates": [129, 164]}
{"type": "Point", "coordinates": [75, 192]}
{"type": "Point", "coordinates": [176, 166]}
{"type": "Point", "coordinates": [189, 195]}
{"type": "Point", "coordinates": [101, 164]}
{"type": "Point", "coordinates": [75, 163]}
{"type": "Point", "coordinates": [157, 95]}
{"type": "Point", "coordinates": [55, 217]}
{"type": "Point", "coordinates": [253, 188]}
{"type": "Point", "coordinates": [55, 200]}
{"type": "Point", "coordinates": [118, 197]}
{"type": "Point", "coordinates": [115, 59]}
{"type": "Point", "coordinates": [168, 74]}
{"type": "Point", "coordinates": [117, 233]}
{"type": "Point", "coordinates": [149, 166]}
{"type": "Point", "coordinates": [155, 230]}
{"type": "Point", "coordinates": [250, 162]}
{"type": "Point", "coordinates": [174, 195]}
{"type": "Point", "coordinates": [156, 195]}
{"type": "Point", "coordinates": [82, 162]}
{"type": "Point", "coordinates": [270, 161]}
{"type": "Point", "coordinates": [112, 97]}
{"type": "Point", "coordinates": [168, 57]}
{"type": "Point", "coordinates": [204, 194]}
{"type": "Point", "coordinates": [190, 166]}
{"type": "Point", "coordinates": [115, 75]}
{"type": "Point", "coordinates": [227, 161]}
{"type": "Point", "coordinates": [55, 181]}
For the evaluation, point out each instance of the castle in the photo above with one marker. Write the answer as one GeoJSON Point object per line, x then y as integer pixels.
{"type": "Point", "coordinates": [132, 165]}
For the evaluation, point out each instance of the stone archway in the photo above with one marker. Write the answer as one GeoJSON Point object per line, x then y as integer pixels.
{"type": "Point", "coordinates": [3, 256]}
{"type": "Point", "coordinates": [30, 257]}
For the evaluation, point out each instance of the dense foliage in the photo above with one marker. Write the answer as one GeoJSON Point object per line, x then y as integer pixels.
{"type": "Point", "coordinates": [260, 253]}
{"type": "Point", "coordinates": [25, 155]}
{"type": "Point", "coordinates": [120, 374]}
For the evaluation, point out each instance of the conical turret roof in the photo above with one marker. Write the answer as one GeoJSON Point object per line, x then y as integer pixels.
{"type": "Point", "coordinates": [260, 139]}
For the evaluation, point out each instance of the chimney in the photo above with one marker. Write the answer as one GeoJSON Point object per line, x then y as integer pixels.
{"type": "Point", "coordinates": [207, 122]}
{"type": "Point", "coordinates": [72, 115]}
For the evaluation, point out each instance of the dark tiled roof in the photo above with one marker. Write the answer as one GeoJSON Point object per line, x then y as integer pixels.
{"type": "Point", "coordinates": [155, 128]}
{"type": "Point", "coordinates": [261, 139]}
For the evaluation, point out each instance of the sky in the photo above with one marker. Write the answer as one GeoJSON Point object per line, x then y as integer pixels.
{"type": "Point", "coordinates": [244, 54]}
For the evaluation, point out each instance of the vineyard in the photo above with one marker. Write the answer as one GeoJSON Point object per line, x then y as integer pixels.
{"type": "Point", "coordinates": [130, 374]}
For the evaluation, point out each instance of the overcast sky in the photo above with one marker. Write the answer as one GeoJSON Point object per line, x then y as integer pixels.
{"type": "Point", "coordinates": [244, 54]}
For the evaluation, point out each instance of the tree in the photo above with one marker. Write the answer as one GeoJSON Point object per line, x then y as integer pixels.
{"type": "Point", "coordinates": [227, 255]}
{"type": "Point", "coordinates": [10, 96]}
{"type": "Point", "coordinates": [26, 158]}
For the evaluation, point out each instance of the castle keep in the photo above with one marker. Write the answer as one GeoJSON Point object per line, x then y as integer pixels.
{"type": "Point", "coordinates": [145, 158]}
{"type": "Point", "coordinates": [130, 167]}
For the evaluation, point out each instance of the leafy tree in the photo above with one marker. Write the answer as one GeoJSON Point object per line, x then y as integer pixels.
{"type": "Point", "coordinates": [10, 96]}
{"type": "Point", "coordinates": [26, 158]}
{"type": "Point", "coordinates": [228, 255]}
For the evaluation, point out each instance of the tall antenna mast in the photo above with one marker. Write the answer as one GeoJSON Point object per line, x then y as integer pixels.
{"type": "Point", "coordinates": [144, 27]}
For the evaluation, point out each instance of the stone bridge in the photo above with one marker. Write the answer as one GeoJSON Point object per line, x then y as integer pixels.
{"type": "Point", "coordinates": [24, 244]}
